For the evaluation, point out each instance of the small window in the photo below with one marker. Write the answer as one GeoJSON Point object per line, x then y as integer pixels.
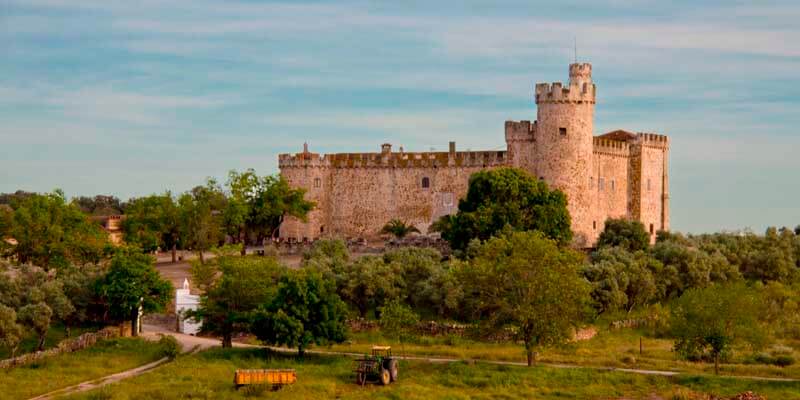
{"type": "Point", "coordinates": [613, 184]}
{"type": "Point", "coordinates": [591, 182]}
{"type": "Point", "coordinates": [426, 182]}
{"type": "Point", "coordinates": [562, 131]}
{"type": "Point", "coordinates": [317, 182]}
{"type": "Point", "coordinates": [594, 224]}
{"type": "Point", "coordinates": [322, 229]}
{"type": "Point", "coordinates": [651, 229]}
{"type": "Point", "coordinates": [648, 185]}
{"type": "Point", "coordinates": [601, 184]}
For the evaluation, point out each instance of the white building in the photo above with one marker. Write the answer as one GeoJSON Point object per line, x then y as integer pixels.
{"type": "Point", "coordinates": [184, 301]}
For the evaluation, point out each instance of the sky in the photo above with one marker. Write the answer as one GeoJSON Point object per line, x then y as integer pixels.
{"type": "Point", "coordinates": [137, 97]}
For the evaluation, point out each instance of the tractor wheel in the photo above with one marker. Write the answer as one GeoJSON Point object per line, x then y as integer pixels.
{"type": "Point", "coordinates": [361, 378]}
{"type": "Point", "coordinates": [394, 369]}
{"type": "Point", "coordinates": [385, 377]}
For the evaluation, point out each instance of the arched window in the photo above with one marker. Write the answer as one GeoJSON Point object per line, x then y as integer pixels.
{"type": "Point", "coordinates": [426, 182]}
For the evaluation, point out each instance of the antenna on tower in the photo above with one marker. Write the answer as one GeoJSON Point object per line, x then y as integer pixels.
{"type": "Point", "coordinates": [576, 49]}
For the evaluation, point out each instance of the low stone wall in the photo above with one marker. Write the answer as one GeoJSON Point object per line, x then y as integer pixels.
{"type": "Point", "coordinates": [433, 328]}
{"type": "Point", "coordinates": [632, 323]}
{"type": "Point", "coordinates": [66, 346]}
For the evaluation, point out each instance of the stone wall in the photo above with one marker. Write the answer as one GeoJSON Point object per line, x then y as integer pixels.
{"type": "Point", "coordinates": [66, 346]}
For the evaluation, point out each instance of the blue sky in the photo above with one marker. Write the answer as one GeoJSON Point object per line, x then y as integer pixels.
{"type": "Point", "coordinates": [131, 98]}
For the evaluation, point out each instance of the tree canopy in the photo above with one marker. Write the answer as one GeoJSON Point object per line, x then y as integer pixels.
{"type": "Point", "coordinates": [626, 233]}
{"type": "Point", "coordinates": [506, 197]}
{"type": "Point", "coordinates": [153, 222]}
{"type": "Point", "coordinates": [525, 282]}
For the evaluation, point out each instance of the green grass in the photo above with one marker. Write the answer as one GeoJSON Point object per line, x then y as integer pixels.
{"type": "Point", "coordinates": [619, 348]}
{"type": "Point", "coordinates": [56, 334]}
{"type": "Point", "coordinates": [209, 375]}
{"type": "Point", "coordinates": [105, 358]}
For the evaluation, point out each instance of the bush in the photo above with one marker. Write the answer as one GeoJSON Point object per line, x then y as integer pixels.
{"type": "Point", "coordinates": [170, 347]}
{"type": "Point", "coordinates": [783, 361]}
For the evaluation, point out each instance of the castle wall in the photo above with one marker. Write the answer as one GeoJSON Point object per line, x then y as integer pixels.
{"type": "Point", "coordinates": [610, 181]}
{"type": "Point", "coordinates": [520, 144]}
{"type": "Point", "coordinates": [362, 192]}
{"type": "Point", "coordinates": [649, 182]}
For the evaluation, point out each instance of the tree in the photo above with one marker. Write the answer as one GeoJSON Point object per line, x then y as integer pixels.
{"type": "Point", "coordinates": [525, 282]}
{"type": "Point", "coordinates": [99, 205]}
{"type": "Point", "coordinates": [78, 285]}
{"type": "Point", "coordinates": [626, 233]}
{"type": "Point", "coordinates": [369, 282]}
{"type": "Point", "coordinates": [304, 311]}
{"type": "Point", "coordinates": [258, 205]}
{"type": "Point", "coordinates": [37, 317]}
{"type": "Point", "coordinates": [713, 319]}
{"type": "Point", "coordinates": [51, 233]}
{"type": "Point", "coordinates": [10, 330]}
{"type": "Point", "coordinates": [399, 228]}
{"type": "Point", "coordinates": [328, 257]}
{"type": "Point", "coordinates": [398, 321]}
{"type": "Point", "coordinates": [242, 285]}
{"type": "Point", "coordinates": [200, 220]}
{"type": "Point", "coordinates": [152, 222]}
{"type": "Point", "coordinates": [133, 283]}
{"type": "Point", "coordinates": [621, 279]}
{"type": "Point", "coordinates": [506, 196]}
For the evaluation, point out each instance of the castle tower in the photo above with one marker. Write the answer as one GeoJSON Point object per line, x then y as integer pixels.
{"type": "Point", "coordinates": [563, 143]}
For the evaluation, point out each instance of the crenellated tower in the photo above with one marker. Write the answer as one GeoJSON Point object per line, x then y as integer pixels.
{"type": "Point", "coordinates": [563, 143]}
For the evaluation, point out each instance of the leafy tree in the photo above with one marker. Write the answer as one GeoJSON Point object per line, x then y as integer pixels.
{"type": "Point", "coordinates": [200, 211]}
{"type": "Point", "coordinates": [621, 279]}
{"type": "Point", "coordinates": [712, 319]}
{"type": "Point", "coordinates": [78, 285]}
{"type": "Point", "coordinates": [242, 285]}
{"type": "Point", "coordinates": [258, 205]}
{"type": "Point", "coordinates": [399, 228]}
{"type": "Point", "coordinates": [305, 311]}
{"type": "Point", "coordinates": [10, 330]}
{"type": "Point", "coordinates": [506, 196]}
{"type": "Point", "coordinates": [369, 282]}
{"type": "Point", "coordinates": [132, 282]}
{"type": "Point", "coordinates": [524, 281]}
{"type": "Point", "coordinates": [99, 205]}
{"type": "Point", "coordinates": [14, 198]}
{"type": "Point", "coordinates": [37, 317]}
{"type": "Point", "coordinates": [152, 222]}
{"type": "Point", "coordinates": [51, 233]}
{"type": "Point", "coordinates": [398, 321]}
{"type": "Point", "coordinates": [628, 234]}
{"type": "Point", "coordinates": [328, 257]}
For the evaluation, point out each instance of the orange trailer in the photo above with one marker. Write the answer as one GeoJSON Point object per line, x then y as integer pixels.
{"type": "Point", "coordinates": [274, 377]}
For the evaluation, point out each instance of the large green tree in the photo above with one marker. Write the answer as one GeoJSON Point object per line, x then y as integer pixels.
{"type": "Point", "coordinates": [200, 217]}
{"type": "Point", "coordinates": [712, 319]}
{"type": "Point", "coordinates": [153, 221]}
{"type": "Point", "coordinates": [524, 282]}
{"type": "Point", "coordinates": [51, 233]}
{"type": "Point", "coordinates": [11, 332]}
{"type": "Point", "coordinates": [306, 310]}
{"type": "Point", "coordinates": [99, 205]}
{"type": "Point", "coordinates": [506, 197]}
{"type": "Point", "coordinates": [241, 285]}
{"type": "Point", "coordinates": [626, 233]}
{"type": "Point", "coordinates": [258, 205]}
{"type": "Point", "coordinates": [133, 283]}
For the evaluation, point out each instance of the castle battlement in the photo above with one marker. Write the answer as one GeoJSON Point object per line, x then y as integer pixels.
{"type": "Point", "coordinates": [652, 140]}
{"type": "Point", "coordinates": [520, 130]}
{"type": "Point", "coordinates": [611, 147]}
{"type": "Point", "coordinates": [575, 92]}
{"type": "Point", "coordinates": [394, 160]}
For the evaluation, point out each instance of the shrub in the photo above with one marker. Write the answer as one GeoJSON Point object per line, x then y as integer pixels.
{"type": "Point", "coordinates": [170, 347]}
{"type": "Point", "coordinates": [783, 361]}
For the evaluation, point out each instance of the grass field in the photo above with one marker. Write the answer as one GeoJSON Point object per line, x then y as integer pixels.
{"type": "Point", "coordinates": [52, 373]}
{"type": "Point", "coordinates": [208, 375]}
{"type": "Point", "coordinates": [618, 348]}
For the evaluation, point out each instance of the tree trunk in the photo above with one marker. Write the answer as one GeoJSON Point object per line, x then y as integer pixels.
{"type": "Point", "coordinates": [67, 329]}
{"type": "Point", "coordinates": [174, 253]}
{"type": "Point", "coordinates": [200, 253]}
{"type": "Point", "coordinates": [301, 351]}
{"type": "Point", "coordinates": [531, 357]}
{"type": "Point", "coordinates": [135, 322]}
{"type": "Point", "coordinates": [227, 340]}
{"type": "Point", "coordinates": [716, 363]}
{"type": "Point", "coordinates": [42, 339]}
{"type": "Point", "coordinates": [244, 242]}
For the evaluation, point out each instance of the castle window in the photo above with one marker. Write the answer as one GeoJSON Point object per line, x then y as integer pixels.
{"type": "Point", "coordinates": [562, 131]}
{"type": "Point", "coordinates": [651, 229]}
{"type": "Point", "coordinates": [613, 185]}
{"type": "Point", "coordinates": [594, 224]}
{"type": "Point", "coordinates": [601, 184]}
{"type": "Point", "coordinates": [426, 182]}
{"type": "Point", "coordinates": [322, 229]}
{"type": "Point", "coordinates": [317, 182]}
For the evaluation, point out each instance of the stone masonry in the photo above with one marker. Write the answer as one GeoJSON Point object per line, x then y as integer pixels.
{"type": "Point", "coordinates": [617, 174]}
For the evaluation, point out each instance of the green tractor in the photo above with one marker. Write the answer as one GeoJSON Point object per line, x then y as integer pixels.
{"type": "Point", "coordinates": [380, 366]}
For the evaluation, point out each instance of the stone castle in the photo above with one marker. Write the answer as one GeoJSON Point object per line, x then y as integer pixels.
{"type": "Point", "coordinates": [617, 174]}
